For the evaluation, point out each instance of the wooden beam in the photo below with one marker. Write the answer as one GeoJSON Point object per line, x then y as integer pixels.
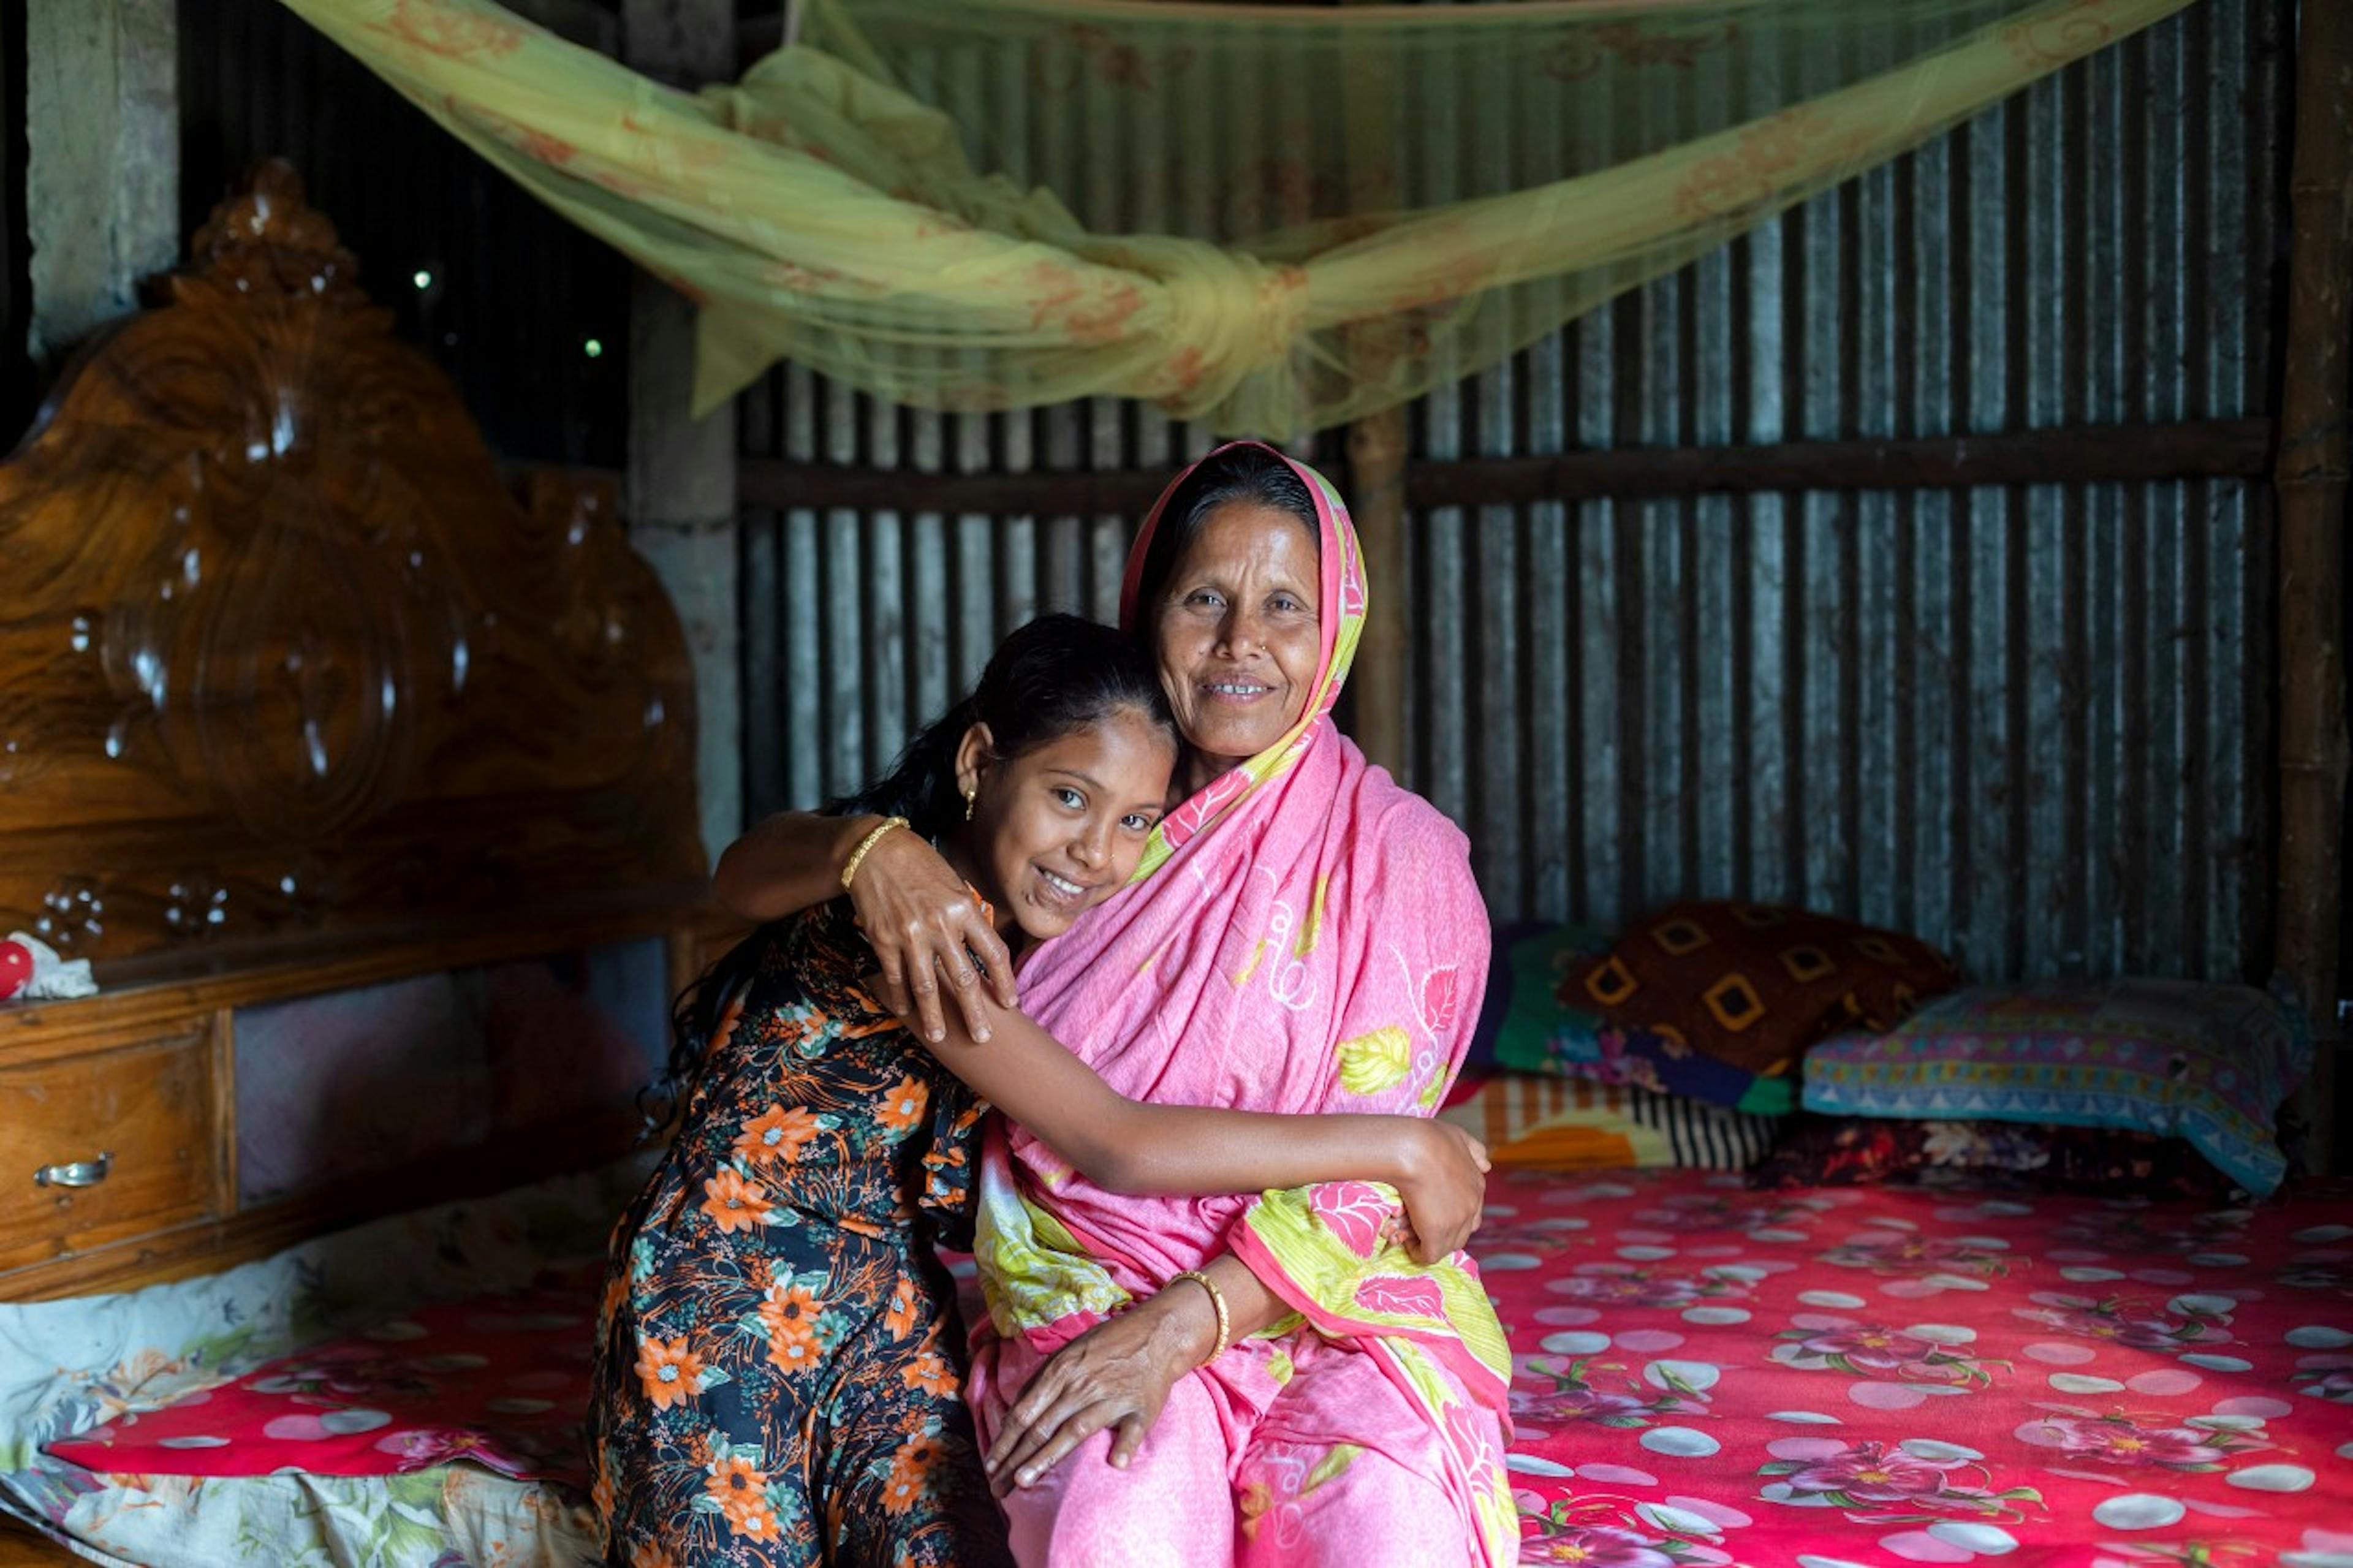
{"type": "Point", "coordinates": [2090, 454]}
{"type": "Point", "coordinates": [785, 485]}
{"type": "Point", "coordinates": [1377, 442]}
{"type": "Point", "coordinates": [2221, 448]}
{"type": "Point", "coordinates": [2311, 477]}
{"type": "Point", "coordinates": [1377, 486]}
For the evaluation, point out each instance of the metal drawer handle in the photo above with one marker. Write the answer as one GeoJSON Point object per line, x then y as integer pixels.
{"type": "Point", "coordinates": [80, 1174]}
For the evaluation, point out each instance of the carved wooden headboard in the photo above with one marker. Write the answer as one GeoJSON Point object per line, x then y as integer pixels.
{"type": "Point", "coordinates": [281, 660]}
{"type": "Point", "coordinates": [295, 695]}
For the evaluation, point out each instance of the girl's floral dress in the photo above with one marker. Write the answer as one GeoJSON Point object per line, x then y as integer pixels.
{"type": "Point", "coordinates": [774, 1379]}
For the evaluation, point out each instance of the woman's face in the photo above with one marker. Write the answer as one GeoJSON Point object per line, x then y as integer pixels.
{"type": "Point", "coordinates": [1237, 630]}
{"type": "Point", "coordinates": [1060, 828]}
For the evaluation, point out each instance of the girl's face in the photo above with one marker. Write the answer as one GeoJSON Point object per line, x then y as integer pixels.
{"type": "Point", "coordinates": [1060, 828]}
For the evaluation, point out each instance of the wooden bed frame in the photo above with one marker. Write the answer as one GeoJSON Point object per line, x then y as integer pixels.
{"type": "Point", "coordinates": [295, 696]}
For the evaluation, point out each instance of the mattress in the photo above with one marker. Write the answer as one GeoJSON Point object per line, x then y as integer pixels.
{"type": "Point", "coordinates": [67, 1366]}
{"type": "Point", "coordinates": [1828, 1378]}
{"type": "Point", "coordinates": [1703, 1375]}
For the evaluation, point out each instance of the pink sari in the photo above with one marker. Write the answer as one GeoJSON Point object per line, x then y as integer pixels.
{"type": "Point", "coordinates": [1304, 936]}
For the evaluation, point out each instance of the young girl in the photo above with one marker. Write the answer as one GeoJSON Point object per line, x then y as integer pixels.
{"type": "Point", "coordinates": [774, 1379]}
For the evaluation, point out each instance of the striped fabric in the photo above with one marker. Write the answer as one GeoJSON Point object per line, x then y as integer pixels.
{"type": "Point", "coordinates": [1539, 1119]}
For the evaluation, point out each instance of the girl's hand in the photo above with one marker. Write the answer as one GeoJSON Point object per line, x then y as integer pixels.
{"type": "Point", "coordinates": [1443, 1184]}
{"type": "Point", "coordinates": [1117, 1373]}
{"type": "Point", "coordinates": [921, 922]}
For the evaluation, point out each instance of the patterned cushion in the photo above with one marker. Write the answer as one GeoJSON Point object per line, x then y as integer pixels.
{"type": "Point", "coordinates": [1524, 1026]}
{"type": "Point", "coordinates": [1718, 1000]}
{"type": "Point", "coordinates": [2172, 1057]}
{"type": "Point", "coordinates": [1565, 1124]}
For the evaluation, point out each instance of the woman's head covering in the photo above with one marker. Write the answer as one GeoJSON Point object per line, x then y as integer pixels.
{"type": "Point", "coordinates": [1341, 621]}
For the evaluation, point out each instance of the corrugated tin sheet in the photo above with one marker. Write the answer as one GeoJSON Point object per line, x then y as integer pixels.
{"type": "Point", "coordinates": [2028, 724]}
{"type": "Point", "coordinates": [512, 294]}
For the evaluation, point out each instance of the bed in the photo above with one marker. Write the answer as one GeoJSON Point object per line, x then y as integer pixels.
{"type": "Point", "coordinates": [1703, 1374]}
{"type": "Point", "coordinates": [303, 701]}
{"type": "Point", "coordinates": [362, 770]}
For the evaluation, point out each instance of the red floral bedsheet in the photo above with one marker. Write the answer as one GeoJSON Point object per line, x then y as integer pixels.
{"type": "Point", "coordinates": [1836, 1378]}
{"type": "Point", "coordinates": [1828, 1378]}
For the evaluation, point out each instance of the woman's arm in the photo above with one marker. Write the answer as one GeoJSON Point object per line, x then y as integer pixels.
{"type": "Point", "coordinates": [1119, 1372]}
{"type": "Point", "coordinates": [788, 863]}
{"type": "Point", "coordinates": [917, 914]}
{"type": "Point", "coordinates": [1129, 1146]}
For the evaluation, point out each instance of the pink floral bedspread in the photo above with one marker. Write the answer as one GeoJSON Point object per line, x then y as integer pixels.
{"type": "Point", "coordinates": [498, 1379]}
{"type": "Point", "coordinates": [1834, 1377]}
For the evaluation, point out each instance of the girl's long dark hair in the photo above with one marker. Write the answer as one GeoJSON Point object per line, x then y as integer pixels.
{"type": "Point", "coordinates": [1054, 677]}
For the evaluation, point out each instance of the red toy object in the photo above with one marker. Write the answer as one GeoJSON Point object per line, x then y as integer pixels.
{"type": "Point", "coordinates": [15, 967]}
{"type": "Point", "coordinates": [31, 969]}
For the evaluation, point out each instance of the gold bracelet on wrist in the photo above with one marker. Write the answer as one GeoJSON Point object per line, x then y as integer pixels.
{"type": "Point", "coordinates": [858, 856]}
{"type": "Point", "coordinates": [1217, 1300]}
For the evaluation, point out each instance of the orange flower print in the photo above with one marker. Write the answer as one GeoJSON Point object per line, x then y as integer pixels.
{"type": "Point", "coordinates": [650, 1554]}
{"type": "Point", "coordinates": [904, 1105]}
{"type": "Point", "coordinates": [600, 1496]}
{"type": "Point", "coordinates": [911, 1473]}
{"type": "Point", "coordinates": [732, 1203]}
{"type": "Point", "coordinates": [742, 1491]}
{"type": "Point", "coordinates": [930, 1373]}
{"type": "Point", "coordinates": [900, 1316]}
{"type": "Point", "coordinates": [729, 1017]}
{"type": "Point", "coordinates": [790, 1315]}
{"type": "Point", "coordinates": [668, 1371]}
{"type": "Point", "coordinates": [776, 1136]}
{"type": "Point", "coordinates": [799, 1030]}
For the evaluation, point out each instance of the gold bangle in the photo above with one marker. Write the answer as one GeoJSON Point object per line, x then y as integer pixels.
{"type": "Point", "coordinates": [1217, 1300]}
{"type": "Point", "coordinates": [858, 856]}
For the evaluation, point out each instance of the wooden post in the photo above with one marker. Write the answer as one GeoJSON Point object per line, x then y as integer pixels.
{"type": "Point", "coordinates": [102, 161]}
{"type": "Point", "coordinates": [1377, 501]}
{"type": "Point", "coordinates": [1376, 453]}
{"type": "Point", "coordinates": [2311, 481]}
{"type": "Point", "coordinates": [681, 492]}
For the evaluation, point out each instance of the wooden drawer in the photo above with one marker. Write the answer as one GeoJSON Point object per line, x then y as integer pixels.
{"type": "Point", "coordinates": [152, 1109]}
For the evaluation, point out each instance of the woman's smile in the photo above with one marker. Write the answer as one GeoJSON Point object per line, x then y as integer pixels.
{"type": "Point", "coordinates": [1238, 632]}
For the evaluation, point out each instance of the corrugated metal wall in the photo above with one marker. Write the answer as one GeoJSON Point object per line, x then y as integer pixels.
{"type": "Point", "coordinates": [512, 295]}
{"type": "Point", "coordinates": [2027, 723]}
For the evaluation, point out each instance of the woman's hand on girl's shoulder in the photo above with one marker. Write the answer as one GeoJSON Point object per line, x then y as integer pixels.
{"type": "Point", "coordinates": [923, 923]}
{"type": "Point", "coordinates": [1443, 1183]}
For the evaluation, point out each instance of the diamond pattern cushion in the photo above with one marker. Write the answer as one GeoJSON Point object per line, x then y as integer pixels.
{"type": "Point", "coordinates": [1752, 986]}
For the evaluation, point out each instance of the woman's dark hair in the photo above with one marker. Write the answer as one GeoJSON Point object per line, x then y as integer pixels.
{"type": "Point", "coordinates": [1244, 472]}
{"type": "Point", "coordinates": [1054, 677]}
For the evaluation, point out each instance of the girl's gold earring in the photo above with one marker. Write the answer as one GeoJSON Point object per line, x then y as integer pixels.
{"type": "Point", "coordinates": [971, 801]}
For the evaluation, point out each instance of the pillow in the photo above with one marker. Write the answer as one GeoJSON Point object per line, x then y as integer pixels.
{"type": "Point", "coordinates": [1718, 1001]}
{"type": "Point", "coordinates": [1532, 1024]}
{"type": "Point", "coordinates": [2210, 1064]}
{"type": "Point", "coordinates": [1863, 1151]}
{"type": "Point", "coordinates": [1524, 1025]}
{"type": "Point", "coordinates": [1565, 1124]}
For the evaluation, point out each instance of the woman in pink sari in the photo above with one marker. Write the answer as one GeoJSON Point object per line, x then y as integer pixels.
{"type": "Point", "coordinates": [1265, 1380]}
